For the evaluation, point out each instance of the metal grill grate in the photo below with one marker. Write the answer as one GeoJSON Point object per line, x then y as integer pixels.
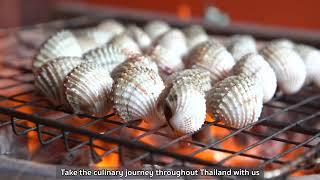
{"type": "Point", "coordinates": [286, 118]}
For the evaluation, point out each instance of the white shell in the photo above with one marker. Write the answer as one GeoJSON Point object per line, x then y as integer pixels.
{"type": "Point", "coordinates": [137, 34]}
{"type": "Point", "coordinates": [240, 45]}
{"type": "Point", "coordinates": [135, 93]}
{"type": "Point", "coordinates": [254, 65]}
{"type": "Point", "coordinates": [156, 28]}
{"type": "Point", "coordinates": [212, 56]}
{"type": "Point", "coordinates": [111, 26]}
{"type": "Point", "coordinates": [108, 56]}
{"type": "Point", "coordinates": [63, 43]}
{"type": "Point", "coordinates": [311, 58]}
{"type": "Point", "coordinates": [173, 40]}
{"type": "Point", "coordinates": [195, 35]}
{"type": "Point", "coordinates": [288, 67]}
{"type": "Point", "coordinates": [281, 43]}
{"type": "Point", "coordinates": [49, 77]}
{"type": "Point", "coordinates": [87, 89]}
{"type": "Point", "coordinates": [183, 101]}
{"type": "Point", "coordinates": [126, 43]}
{"type": "Point", "coordinates": [237, 100]}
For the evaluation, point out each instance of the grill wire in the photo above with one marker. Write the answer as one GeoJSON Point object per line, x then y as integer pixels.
{"type": "Point", "coordinates": [16, 54]}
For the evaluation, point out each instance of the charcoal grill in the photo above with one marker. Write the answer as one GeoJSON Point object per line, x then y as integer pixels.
{"type": "Point", "coordinates": [26, 111]}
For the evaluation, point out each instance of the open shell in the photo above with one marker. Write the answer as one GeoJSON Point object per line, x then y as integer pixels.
{"type": "Point", "coordinates": [111, 26]}
{"type": "Point", "coordinates": [237, 100]}
{"type": "Point", "coordinates": [63, 43]}
{"type": "Point", "coordinates": [126, 43]}
{"type": "Point", "coordinates": [195, 35]}
{"type": "Point", "coordinates": [254, 65]}
{"type": "Point", "coordinates": [137, 34]}
{"type": "Point", "coordinates": [288, 67]}
{"type": "Point", "coordinates": [49, 78]}
{"type": "Point", "coordinates": [87, 89]}
{"type": "Point", "coordinates": [156, 28]}
{"type": "Point", "coordinates": [240, 45]}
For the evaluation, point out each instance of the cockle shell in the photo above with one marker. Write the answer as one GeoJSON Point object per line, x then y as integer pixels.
{"type": "Point", "coordinates": [111, 26]}
{"type": "Point", "coordinates": [156, 28]}
{"type": "Point", "coordinates": [212, 56]}
{"type": "Point", "coordinates": [254, 65]}
{"type": "Point", "coordinates": [281, 43]}
{"type": "Point", "coordinates": [63, 43]}
{"type": "Point", "coordinates": [237, 100]}
{"type": "Point", "coordinates": [173, 40]}
{"type": "Point", "coordinates": [108, 56]}
{"type": "Point", "coordinates": [137, 34]}
{"type": "Point", "coordinates": [240, 45]}
{"type": "Point", "coordinates": [87, 89]}
{"type": "Point", "coordinates": [135, 93]}
{"type": "Point", "coordinates": [126, 43]}
{"type": "Point", "coordinates": [183, 101]}
{"type": "Point", "coordinates": [195, 35]}
{"type": "Point", "coordinates": [288, 67]}
{"type": "Point", "coordinates": [50, 76]}
{"type": "Point", "coordinates": [311, 58]}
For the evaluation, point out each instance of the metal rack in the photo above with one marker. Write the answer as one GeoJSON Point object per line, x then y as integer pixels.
{"type": "Point", "coordinates": [19, 95]}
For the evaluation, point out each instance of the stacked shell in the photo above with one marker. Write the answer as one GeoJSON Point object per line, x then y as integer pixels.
{"type": "Point", "coordinates": [183, 101]}
{"type": "Point", "coordinates": [254, 65]}
{"type": "Point", "coordinates": [111, 26]}
{"type": "Point", "coordinates": [236, 100]}
{"type": "Point", "coordinates": [287, 65]}
{"type": "Point", "coordinates": [140, 37]}
{"type": "Point", "coordinates": [125, 43]}
{"type": "Point", "coordinates": [156, 28]}
{"type": "Point", "coordinates": [135, 92]}
{"type": "Point", "coordinates": [62, 43]}
{"type": "Point", "coordinates": [211, 56]}
{"type": "Point", "coordinates": [195, 35]}
{"type": "Point", "coordinates": [87, 89]}
{"type": "Point", "coordinates": [240, 45]}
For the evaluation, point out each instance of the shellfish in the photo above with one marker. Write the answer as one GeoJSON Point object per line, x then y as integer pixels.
{"type": "Point", "coordinates": [254, 65]}
{"type": "Point", "coordinates": [126, 43]}
{"type": "Point", "coordinates": [240, 45]}
{"type": "Point", "coordinates": [212, 56]}
{"type": "Point", "coordinates": [50, 76]}
{"type": "Point", "coordinates": [137, 34]}
{"type": "Point", "coordinates": [63, 43]}
{"type": "Point", "coordinates": [195, 35]}
{"type": "Point", "coordinates": [237, 100]}
{"type": "Point", "coordinates": [156, 28]}
{"type": "Point", "coordinates": [288, 66]}
{"type": "Point", "coordinates": [112, 26]}
{"type": "Point", "coordinates": [281, 43]}
{"type": "Point", "coordinates": [311, 58]}
{"type": "Point", "coordinates": [87, 89]}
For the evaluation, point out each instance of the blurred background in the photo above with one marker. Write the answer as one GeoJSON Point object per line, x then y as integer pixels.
{"type": "Point", "coordinates": [281, 13]}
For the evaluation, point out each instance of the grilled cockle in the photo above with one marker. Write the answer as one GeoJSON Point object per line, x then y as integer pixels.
{"type": "Point", "coordinates": [135, 92]}
{"type": "Point", "coordinates": [50, 76]}
{"type": "Point", "coordinates": [288, 67]}
{"type": "Point", "coordinates": [183, 101]}
{"type": "Point", "coordinates": [195, 35]}
{"type": "Point", "coordinates": [311, 58]}
{"type": "Point", "coordinates": [108, 56]}
{"type": "Point", "coordinates": [236, 100]}
{"type": "Point", "coordinates": [126, 43]}
{"type": "Point", "coordinates": [173, 40]}
{"type": "Point", "coordinates": [212, 56]}
{"type": "Point", "coordinates": [87, 89]}
{"type": "Point", "coordinates": [254, 65]}
{"type": "Point", "coordinates": [62, 43]}
{"type": "Point", "coordinates": [137, 34]}
{"type": "Point", "coordinates": [111, 26]}
{"type": "Point", "coordinates": [156, 28]}
{"type": "Point", "coordinates": [240, 45]}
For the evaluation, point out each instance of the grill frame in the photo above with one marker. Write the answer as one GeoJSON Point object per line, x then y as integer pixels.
{"type": "Point", "coordinates": [182, 160]}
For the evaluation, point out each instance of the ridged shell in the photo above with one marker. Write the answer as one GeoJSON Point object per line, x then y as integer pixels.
{"type": "Point", "coordinates": [288, 67]}
{"type": "Point", "coordinates": [237, 100]}
{"type": "Point", "coordinates": [108, 56]}
{"type": "Point", "coordinates": [87, 89]}
{"type": "Point", "coordinates": [137, 34]}
{"type": "Point", "coordinates": [63, 43]}
{"type": "Point", "coordinates": [173, 40]}
{"type": "Point", "coordinates": [49, 77]}
{"type": "Point", "coordinates": [254, 65]}
{"type": "Point", "coordinates": [281, 43]}
{"type": "Point", "coordinates": [166, 60]}
{"type": "Point", "coordinates": [212, 56]}
{"type": "Point", "coordinates": [195, 35]}
{"type": "Point", "coordinates": [156, 28]}
{"type": "Point", "coordinates": [135, 93]}
{"type": "Point", "coordinates": [126, 43]}
{"type": "Point", "coordinates": [311, 58]}
{"type": "Point", "coordinates": [240, 45]}
{"type": "Point", "coordinates": [111, 26]}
